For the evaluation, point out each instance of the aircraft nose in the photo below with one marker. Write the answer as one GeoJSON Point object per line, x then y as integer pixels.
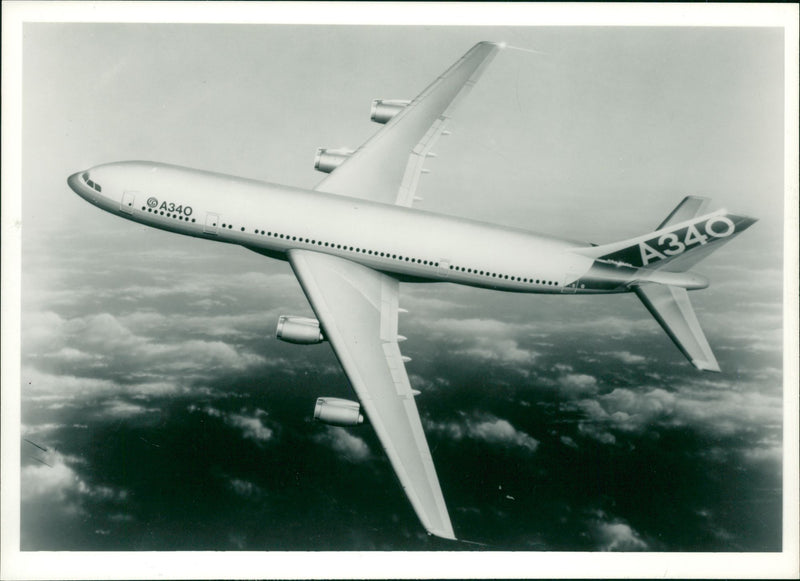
{"type": "Point", "coordinates": [78, 184]}
{"type": "Point", "coordinates": [74, 182]}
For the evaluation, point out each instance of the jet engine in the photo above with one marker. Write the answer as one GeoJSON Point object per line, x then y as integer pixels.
{"type": "Point", "coordinates": [299, 330]}
{"type": "Point", "coordinates": [338, 412]}
{"type": "Point", "coordinates": [328, 160]}
{"type": "Point", "coordinates": [384, 109]}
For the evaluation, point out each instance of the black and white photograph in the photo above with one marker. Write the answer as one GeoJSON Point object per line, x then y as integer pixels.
{"type": "Point", "coordinates": [404, 287]}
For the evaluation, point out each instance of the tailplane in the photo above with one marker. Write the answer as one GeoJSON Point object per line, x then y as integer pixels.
{"type": "Point", "coordinates": [671, 308]}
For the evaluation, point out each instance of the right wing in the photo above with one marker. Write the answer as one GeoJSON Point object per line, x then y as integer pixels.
{"type": "Point", "coordinates": [387, 167]}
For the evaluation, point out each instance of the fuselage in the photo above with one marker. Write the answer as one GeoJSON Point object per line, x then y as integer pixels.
{"type": "Point", "coordinates": [413, 245]}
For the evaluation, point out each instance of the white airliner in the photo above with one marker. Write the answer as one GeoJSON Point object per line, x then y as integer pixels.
{"type": "Point", "coordinates": [354, 238]}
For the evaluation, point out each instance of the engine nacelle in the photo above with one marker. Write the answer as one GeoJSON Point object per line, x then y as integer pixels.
{"type": "Point", "coordinates": [338, 412]}
{"type": "Point", "coordinates": [299, 330]}
{"type": "Point", "coordinates": [384, 109]}
{"type": "Point", "coordinates": [328, 160]}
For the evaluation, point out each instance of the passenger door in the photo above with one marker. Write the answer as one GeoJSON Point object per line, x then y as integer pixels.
{"type": "Point", "coordinates": [127, 202]}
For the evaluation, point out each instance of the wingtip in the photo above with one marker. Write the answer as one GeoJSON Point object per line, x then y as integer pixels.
{"type": "Point", "coordinates": [706, 365]}
{"type": "Point", "coordinates": [446, 535]}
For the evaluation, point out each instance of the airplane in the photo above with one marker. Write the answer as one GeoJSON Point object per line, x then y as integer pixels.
{"type": "Point", "coordinates": [355, 237]}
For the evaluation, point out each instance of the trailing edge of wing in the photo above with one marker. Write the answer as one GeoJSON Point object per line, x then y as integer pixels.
{"type": "Point", "coordinates": [357, 308]}
{"type": "Point", "coordinates": [671, 308]}
{"type": "Point", "coordinates": [387, 167]}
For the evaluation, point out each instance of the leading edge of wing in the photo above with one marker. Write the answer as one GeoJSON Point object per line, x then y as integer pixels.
{"type": "Point", "coordinates": [357, 308]}
{"type": "Point", "coordinates": [386, 168]}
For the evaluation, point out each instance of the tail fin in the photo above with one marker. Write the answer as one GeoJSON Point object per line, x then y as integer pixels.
{"type": "Point", "coordinates": [681, 241]}
{"type": "Point", "coordinates": [689, 207]}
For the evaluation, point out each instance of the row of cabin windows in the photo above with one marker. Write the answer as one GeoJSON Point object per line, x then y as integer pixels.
{"type": "Point", "coordinates": [503, 276]}
{"type": "Point", "coordinates": [374, 252]}
{"type": "Point", "coordinates": [346, 248]}
{"type": "Point", "coordinates": [168, 214]}
{"type": "Point", "coordinates": [407, 259]}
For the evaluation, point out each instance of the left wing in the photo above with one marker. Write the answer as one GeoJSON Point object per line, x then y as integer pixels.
{"type": "Point", "coordinates": [387, 167]}
{"type": "Point", "coordinates": [357, 308]}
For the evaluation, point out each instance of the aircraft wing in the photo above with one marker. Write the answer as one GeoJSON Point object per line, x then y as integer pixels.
{"type": "Point", "coordinates": [357, 308]}
{"type": "Point", "coordinates": [387, 167]}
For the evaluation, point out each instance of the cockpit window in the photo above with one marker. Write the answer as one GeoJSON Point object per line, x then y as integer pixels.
{"type": "Point", "coordinates": [90, 183]}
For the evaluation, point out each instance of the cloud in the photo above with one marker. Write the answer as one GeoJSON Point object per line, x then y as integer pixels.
{"type": "Point", "coordinates": [244, 488]}
{"type": "Point", "coordinates": [341, 441]}
{"type": "Point", "coordinates": [67, 390]}
{"type": "Point", "coordinates": [28, 430]}
{"type": "Point", "coordinates": [596, 432]}
{"type": "Point", "coordinates": [82, 351]}
{"type": "Point", "coordinates": [618, 536]}
{"type": "Point", "coordinates": [53, 481]}
{"type": "Point", "coordinates": [567, 441]}
{"type": "Point", "coordinates": [37, 384]}
{"type": "Point", "coordinates": [626, 357]}
{"type": "Point", "coordinates": [119, 408]}
{"type": "Point", "coordinates": [483, 338]}
{"type": "Point", "coordinates": [148, 278]}
{"type": "Point", "coordinates": [486, 428]}
{"type": "Point", "coordinates": [574, 384]}
{"type": "Point", "coordinates": [69, 354]}
{"type": "Point", "coordinates": [505, 350]}
{"type": "Point", "coordinates": [250, 425]}
{"type": "Point", "coordinates": [616, 326]}
{"type": "Point", "coordinates": [709, 406]}
{"type": "Point", "coordinates": [59, 483]}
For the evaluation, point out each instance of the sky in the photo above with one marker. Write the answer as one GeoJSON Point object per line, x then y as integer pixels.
{"type": "Point", "coordinates": [159, 412]}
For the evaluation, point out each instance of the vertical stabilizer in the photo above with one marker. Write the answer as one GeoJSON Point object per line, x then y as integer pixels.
{"type": "Point", "coordinates": [689, 207]}
{"type": "Point", "coordinates": [671, 308]}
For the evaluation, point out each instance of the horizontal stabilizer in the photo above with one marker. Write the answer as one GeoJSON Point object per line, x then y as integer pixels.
{"type": "Point", "coordinates": [671, 308]}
